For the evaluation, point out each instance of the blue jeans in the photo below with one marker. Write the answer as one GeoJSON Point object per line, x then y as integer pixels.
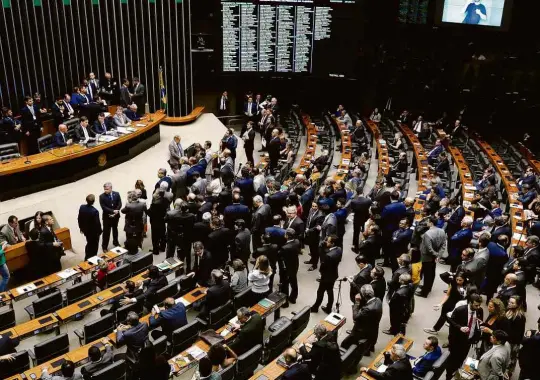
{"type": "Point", "coordinates": [4, 273]}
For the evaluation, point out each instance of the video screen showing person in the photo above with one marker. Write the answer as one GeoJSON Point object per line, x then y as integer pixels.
{"type": "Point", "coordinates": [474, 12]}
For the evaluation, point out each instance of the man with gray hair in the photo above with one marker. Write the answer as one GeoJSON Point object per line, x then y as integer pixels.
{"type": "Point", "coordinates": [134, 220]}
{"type": "Point", "coordinates": [250, 332]}
{"type": "Point", "coordinates": [399, 305]}
{"type": "Point", "coordinates": [175, 152]}
{"type": "Point", "coordinates": [398, 368]}
{"type": "Point", "coordinates": [367, 313]}
{"type": "Point", "coordinates": [179, 179]}
{"type": "Point", "coordinates": [110, 203]}
{"type": "Point", "coordinates": [262, 218]}
{"type": "Point", "coordinates": [458, 242]}
{"type": "Point", "coordinates": [163, 177]}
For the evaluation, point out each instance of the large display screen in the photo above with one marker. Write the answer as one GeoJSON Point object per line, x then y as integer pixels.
{"type": "Point", "coordinates": [474, 12]}
{"type": "Point", "coordinates": [289, 36]}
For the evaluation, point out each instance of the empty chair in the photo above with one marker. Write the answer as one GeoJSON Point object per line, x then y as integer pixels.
{"type": "Point", "coordinates": [243, 299]}
{"type": "Point", "coordinates": [49, 349]}
{"type": "Point", "coordinates": [115, 371]}
{"type": "Point", "coordinates": [122, 311]}
{"type": "Point", "coordinates": [248, 362]}
{"type": "Point", "coordinates": [20, 364]}
{"type": "Point", "coordinates": [170, 290]}
{"type": "Point", "coordinates": [96, 329]}
{"type": "Point", "coordinates": [440, 364]}
{"type": "Point", "coordinates": [141, 264]}
{"type": "Point", "coordinates": [185, 336]}
{"type": "Point", "coordinates": [160, 345]}
{"type": "Point", "coordinates": [80, 291]}
{"type": "Point", "coordinates": [277, 341]}
{"type": "Point", "coordinates": [228, 373]}
{"type": "Point", "coordinates": [220, 315]}
{"type": "Point", "coordinates": [187, 284]}
{"type": "Point", "coordinates": [45, 305]}
{"type": "Point", "coordinates": [118, 275]}
{"type": "Point", "coordinates": [351, 357]}
{"type": "Point", "coordinates": [299, 322]}
{"type": "Point", "coordinates": [8, 151]}
{"type": "Point", "coordinates": [45, 143]}
{"type": "Point", "coordinates": [7, 319]}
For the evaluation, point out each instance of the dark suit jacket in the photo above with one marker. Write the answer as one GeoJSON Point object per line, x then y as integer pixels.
{"type": "Point", "coordinates": [88, 219]}
{"type": "Point", "coordinates": [261, 219]}
{"type": "Point", "coordinates": [314, 219]}
{"type": "Point", "coordinates": [108, 205]}
{"type": "Point", "coordinates": [138, 96]}
{"type": "Point", "coordinates": [399, 304]}
{"type": "Point", "coordinates": [289, 255]}
{"type": "Point", "coordinates": [298, 226]}
{"type": "Point", "coordinates": [170, 319]}
{"type": "Point", "coordinates": [205, 265]}
{"type": "Point", "coordinates": [234, 212]}
{"type": "Point", "coordinates": [201, 231]}
{"type": "Point", "coordinates": [361, 278]}
{"type": "Point", "coordinates": [391, 215]}
{"type": "Point", "coordinates": [134, 217]}
{"type": "Point", "coordinates": [360, 206]}
{"type": "Point", "coordinates": [151, 287]}
{"type": "Point", "coordinates": [97, 128]}
{"type": "Point", "coordinates": [250, 142]}
{"type": "Point", "coordinates": [399, 370]}
{"type": "Point", "coordinates": [242, 243]}
{"type": "Point", "coordinates": [58, 140]}
{"type": "Point", "coordinates": [329, 264]}
{"type": "Point", "coordinates": [28, 122]}
{"type": "Point", "coordinates": [298, 371]}
{"type": "Point", "coordinates": [271, 252]}
{"type": "Point", "coordinates": [370, 248]}
{"type": "Point", "coordinates": [277, 235]}
{"type": "Point", "coordinates": [393, 284]}
{"type": "Point", "coordinates": [134, 338]}
{"type": "Point", "coordinates": [379, 287]}
{"type": "Point", "coordinates": [366, 319]}
{"type": "Point", "coordinates": [217, 295]}
{"type": "Point", "coordinates": [124, 96]}
{"type": "Point", "coordinates": [219, 242]}
{"type": "Point", "coordinates": [459, 319]}
{"type": "Point", "coordinates": [92, 367]}
{"type": "Point", "coordinates": [250, 334]}
{"type": "Point", "coordinates": [79, 134]}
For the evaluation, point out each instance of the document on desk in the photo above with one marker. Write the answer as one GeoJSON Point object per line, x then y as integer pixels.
{"type": "Point", "coordinates": [196, 352]}
{"type": "Point", "coordinates": [469, 187]}
{"type": "Point", "coordinates": [119, 250]}
{"type": "Point", "coordinates": [183, 300]}
{"type": "Point", "coordinates": [381, 368]}
{"type": "Point", "coordinates": [517, 236]}
{"type": "Point", "coordinates": [26, 288]}
{"type": "Point", "coordinates": [123, 130]}
{"type": "Point", "coordinates": [67, 273]}
{"type": "Point", "coordinates": [516, 205]}
{"type": "Point", "coordinates": [106, 138]}
{"type": "Point", "coordinates": [94, 260]}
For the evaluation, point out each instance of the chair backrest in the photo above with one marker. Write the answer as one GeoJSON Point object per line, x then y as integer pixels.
{"type": "Point", "coordinates": [170, 290]}
{"type": "Point", "coordinates": [9, 149]}
{"type": "Point", "coordinates": [51, 348]}
{"type": "Point", "coordinates": [118, 275]}
{"type": "Point", "coordinates": [219, 315]}
{"type": "Point", "coordinates": [299, 322]}
{"type": "Point", "coordinates": [187, 284]}
{"type": "Point", "coordinates": [228, 372]}
{"type": "Point", "coordinates": [351, 358]}
{"type": "Point", "coordinates": [45, 143]}
{"type": "Point", "coordinates": [122, 311]}
{"type": "Point", "coordinates": [160, 345]}
{"type": "Point", "coordinates": [430, 376]}
{"type": "Point", "coordinates": [98, 328]}
{"type": "Point", "coordinates": [277, 341]}
{"type": "Point", "coordinates": [72, 123]}
{"type": "Point", "coordinates": [115, 371]}
{"type": "Point", "coordinates": [142, 263]}
{"type": "Point", "coordinates": [80, 291]}
{"type": "Point", "coordinates": [243, 298]}
{"type": "Point", "coordinates": [248, 362]}
{"type": "Point", "coordinates": [440, 364]}
{"type": "Point", "coordinates": [7, 319]}
{"type": "Point", "coordinates": [47, 304]}
{"type": "Point", "coordinates": [185, 336]}
{"type": "Point", "coordinates": [20, 364]}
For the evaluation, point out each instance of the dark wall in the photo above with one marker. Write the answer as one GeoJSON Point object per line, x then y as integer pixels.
{"type": "Point", "coordinates": [51, 47]}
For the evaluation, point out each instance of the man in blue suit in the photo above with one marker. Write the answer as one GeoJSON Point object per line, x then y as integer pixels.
{"type": "Point", "coordinates": [528, 195]}
{"type": "Point", "coordinates": [400, 242]}
{"type": "Point", "coordinates": [458, 242]}
{"type": "Point", "coordinates": [61, 138]}
{"type": "Point", "coordinates": [436, 187]}
{"type": "Point", "coordinates": [502, 227]}
{"type": "Point", "coordinates": [131, 112]}
{"type": "Point", "coordinates": [245, 184]}
{"type": "Point", "coordinates": [295, 371]}
{"type": "Point", "coordinates": [277, 199]}
{"type": "Point", "coordinates": [101, 126]}
{"type": "Point", "coordinates": [90, 226]}
{"type": "Point", "coordinates": [391, 216]}
{"type": "Point", "coordinates": [433, 154]}
{"type": "Point", "coordinates": [171, 317]}
{"type": "Point", "coordinates": [111, 203]}
{"type": "Point", "coordinates": [276, 233]}
{"type": "Point", "coordinates": [454, 218]}
{"type": "Point", "coordinates": [235, 211]}
{"type": "Point", "coordinates": [134, 335]}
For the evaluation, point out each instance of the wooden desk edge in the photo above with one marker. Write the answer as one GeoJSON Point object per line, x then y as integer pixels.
{"type": "Point", "coordinates": [194, 115]}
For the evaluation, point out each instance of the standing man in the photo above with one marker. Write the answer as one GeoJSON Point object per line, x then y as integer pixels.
{"type": "Point", "coordinates": [432, 246]}
{"type": "Point", "coordinates": [110, 203]}
{"type": "Point", "coordinates": [53, 246]}
{"type": "Point", "coordinates": [495, 363]}
{"type": "Point", "coordinates": [274, 146]}
{"type": "Point", "coordinates": [109, 89]}
{"type": "Point", "coordinates": [249, 142]}
{"type": "Point", "coordinates": [250, 110]}
{"type": "Point", "coordinates": [330, 258]}
{"type": "Point", "coordinates": [134, 220]}
{"type": "Point", "coordinates": [314, 221]}
{"type": "Point", "coordinates": [93, 86]}
{"type": "Point", "coordinates": [31, 124]}
{"type": "Point", "coordinates": [223, 104]}
{"type": "Point", "coordinates": [175, 152]}
{"type": "Point", "coordinates": [288, 266]}
{"type": "Point", "coordinates": [125, 95]}
{"type": "Point", "coordinates": [90, 226]}
{"type": "Point", "coordinates": [360, 206]}
{"type": "Point", "coordinates": [138, 95]}
{"type": "Point", "coordinates": [262, 218]}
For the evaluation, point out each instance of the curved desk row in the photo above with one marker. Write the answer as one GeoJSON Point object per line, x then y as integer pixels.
{"type": "Point", "coordinates": [194, 115]}
{"type": "Point", "coordinates": [346, 151]}
{"type": "Point", "coordinates": [59, 166]}
{"type": "Point", "coordinates": [382, 149]}
{"type": "Point", "coordinates": [517, 214]}
{"type": "Point", "coordinates": [530, 158]}
{"type": "Point", "coordinates": [311, 145]}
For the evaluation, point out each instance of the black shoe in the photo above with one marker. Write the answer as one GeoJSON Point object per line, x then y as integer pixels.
{"type": "Point", "coordinates": [326, 309]}
{"type": "Point", "coordinates": [292, 301]}
{"type": "Point", "coordinates": [116, 244]}
{"type": "Point", "coordinates": [420, 294]}
{"type": "Point", "coordinates": [314, 309]}
{"type": "Point", "coordinates": [285, 305]}
{"type": "Point", "coordinates": [349, 332]}
{"type": "Point", "coordinates": [388, 332]}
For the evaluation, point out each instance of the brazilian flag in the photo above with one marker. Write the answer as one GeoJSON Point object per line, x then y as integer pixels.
{"type": "Point", "coordinates": [162, 90]}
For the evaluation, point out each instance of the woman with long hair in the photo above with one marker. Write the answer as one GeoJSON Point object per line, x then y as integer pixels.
{"type": "Point", "coordinates": [515, 328]}
{"type": "Point", "coordinates": [494, 321]}
{"type": "Point", "coordinates": [259, 278]}
{"type": "Point", "coordinates": [37, 222]}
{"type": "Point", "coordinates": [140, 186]}
{"type": "Point", "coordinates": [239, 280]}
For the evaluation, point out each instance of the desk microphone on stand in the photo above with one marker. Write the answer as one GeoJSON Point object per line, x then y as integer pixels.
{"type": "Point", "coordinates": [27, 161]}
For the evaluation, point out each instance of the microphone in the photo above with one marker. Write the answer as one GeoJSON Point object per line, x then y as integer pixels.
{"type": "Point", "coordinates": [343, 279]}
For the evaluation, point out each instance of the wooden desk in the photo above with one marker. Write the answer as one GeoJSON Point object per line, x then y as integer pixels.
{"type": "Point", "coordinates": [517, 214]}
{"type": "Point", "coordinates": [311, 145]}
{"type": "Point", "coordinates": [17, 256]}
{"type": "Point", "coordinates": [5, 299]}
{"type": "Point", "coordinates": [529, 156]}
{"type": "Point", "coordinates": [382, 149]}
{"type": "Point", "coordinates": [274, 371]}
{"type": "Point", "coordinates": [407, 344]}
{"type": "Point", "coordinates": [205, 347]}
{"type": "Point", "coordinates": [346, 151]}
{"type": "Point", "coordinates": [111, 256]}
{"type": "Point", "coordinates": [62, 165]}
{"type": "Point", "coordinates": [76, 310]}
{"type": "Point", "coordinates": [16, 377]}
{"type": "Point", "coordinates": [53, 366]}
{"type": "Point", "coordinates": [35, 326]}
{"type": "Point", "coordinates": [194, 115]}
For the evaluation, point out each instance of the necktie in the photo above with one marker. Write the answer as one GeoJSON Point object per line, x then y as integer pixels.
{"type": "Point", "coordinates": [110, 196]}
{"type": "Point", "coordinates": [103, 128]}
{"type": "Point", "coordinates": [90, 90]}
{"type": "Point", "coordinates": [469, 325]}
{"type": "Point", "coordinates": [249, 109]}
{"type": "Point", "coordinates": [63, 137]}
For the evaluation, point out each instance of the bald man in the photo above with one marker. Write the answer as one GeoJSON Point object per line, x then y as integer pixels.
{"type": "Point", "coordinates": [61, 138]}
{"type": "Point", "coordinates": [296, 371]}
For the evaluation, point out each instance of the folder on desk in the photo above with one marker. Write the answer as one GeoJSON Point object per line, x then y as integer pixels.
{"type": "Point", "coordinates": [26, 288]}
{"type": "Point", "coordinates": [67, 273]}
{"type": "Point", "coordinates": [334, 318]}
{"type": "Point", "coordinates": [183, 300]}
{"type": "Point", "coordinates": [94, 260]}
{"type": "Point", "coordinates": [266, 303]}
{"type": "Point", "coordinates": [119, 250]}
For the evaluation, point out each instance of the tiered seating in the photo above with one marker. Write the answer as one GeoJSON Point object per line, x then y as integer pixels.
{"type": "Point", "coordinates": [346, 151]}
{"type": "Point", "coordinates": [382, 149]}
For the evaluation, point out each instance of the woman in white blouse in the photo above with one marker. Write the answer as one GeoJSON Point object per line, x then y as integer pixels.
{"type": "Point", "coordinates": [259, 278]}
{"type": "Point", "coordinates": [375, 116]}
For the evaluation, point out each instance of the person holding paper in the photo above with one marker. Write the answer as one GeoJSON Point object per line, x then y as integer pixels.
{"type": "Point", "coordinates": [398, 369]}
{"type": "Point", "coordinates": [250, 332]}
{"type": "Point", "coordinates": [170, 317]}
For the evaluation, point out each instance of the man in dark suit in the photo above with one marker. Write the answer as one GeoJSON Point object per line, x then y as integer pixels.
{"type": "Point", "coordinates": [110, 203]}
{"type": "Point", "coordinates": [295, 222]}
{"type": "Point", "coordinates": [180, 225]}
{"type": "Point", "coordinates": [125, 95]}
{"type": "Point", "coordinates": [134, 335]}
{"type": "Point", "coordinates": [219, 242]}
{"type": "Point", "coordinates": [90, 226]}
{"type": "Point", "coordinates": [532, 255]}
{"type": "Point", "coordinates": [54, 249]}
{"type": "Point", "coordinates": [216, 295]}
{"type": "Point", "coordinates": [138, 95]}
{"type": "Point", "coordinates": [109, 88]}
{"type": "Point", "coordinates": [295, 370]}
{"type": "Point", "coordinates": [360, 207]}
{"type": "Point", "coordinates": [100, 125]}
{"type": "Point", "coordinates": [260, 219]}
{"type": "Point", "coordinates": [134, 220]}
{"type": "Point", "coordinates": [529, 354]}
{"type": "Point", "coordinates": [155, 281]}
{"type": "Point", "coordinates": [82, 132]}
{"type": "Point", "coordinates": [131, 112]}
{"type": "Point", "coordinates": [93, 86]}
{"type": "Point", "coordinates": [458, 242]}
{"type": "Point", "coordinates": [250, 332]}
{"type": "Point", "coordinates": [275, 232]}
{"type": "Point", "coordinates": [223, 104]}
{"type": "Point", "coordinates": [399, 242]}
{"type": "Point", "coordinates": [249, 142]}
{"type": "Point", "coordinates": [61, 138]}
{"type": "Point", "coordinates": [391, 216]}
{"type": "Point", "coordinates": [378, 283]}
{"type": "Point", "coordinates": [97, 360]}
{"type": "Point", "coordinates": [367, 313]}
{"type": "Point", "coordinates": [502, 227]}
{"type": "Point", "coordinates": [398, 366]}
{"type": "Point", "coordinates": [31, 124]}
{"type": "Point", "coordinates": [274, 149]}
{"type": "Point", "coordinates": [313, 224]}
{"type": "Point", "coordinates": [288, 257]}
{"type": "Point", "coordinates": [204, 265]}
{"type": "Point", "coordinates": [59, 111]}
{"type": "Point", "coordinates": [245, 184]}
{"type": "Point", "coordinates": [235, 212]}
{"type": "Point", "coordinates": [250, 110]}
{"type": "Point", "coordinates": [399, 304]}
{"type": "Point", "coordinates": [508, 289]}
{"type": "Point", "coordinates": [171, 316]}
{"type": "Point", "coordinates": [404, 267]}
{"type": "Point", "coordinates": [370, 247]}
{"type": "Point", "coordinates": [464, 330]}
{"type": "Point", "coordinates": [330, 258]}
{"type": "Point", "coordinates": [323, 359]}
{"type": "Point", "coordinates": [363, 276]}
